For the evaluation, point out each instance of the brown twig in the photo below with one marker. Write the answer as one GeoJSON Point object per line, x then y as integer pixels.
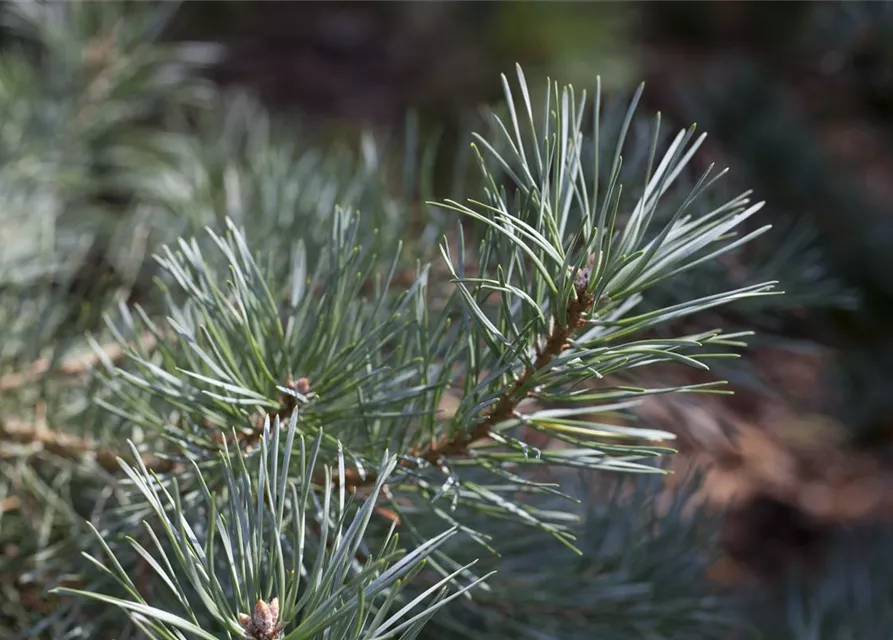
{"type": "Point", "coordinates": [65, 445]}
{"type": "Point", "coordinates": [69, 446]}
{"type": "Point", "coordinates": [9, 504]}
{"type": "Point", "coordinates": [76, 365]}
{"type": "Point", "coordinates": [458, 444]}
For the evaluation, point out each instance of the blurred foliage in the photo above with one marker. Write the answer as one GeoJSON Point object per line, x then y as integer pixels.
{"type": "Point", "coordinates": [844, 598]}
{"type": "Point", "coordinates": [612, 589]}
{"type": "Point", "coordinates": [810, 130]}
{"type": "Point", "coordinates": [798, 98]}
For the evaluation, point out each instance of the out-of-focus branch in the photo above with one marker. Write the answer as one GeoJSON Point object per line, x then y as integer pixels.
{"type": "Point", "coordinates": [76, 365]}
{"type": "Point", "coordinates": [68, 446]}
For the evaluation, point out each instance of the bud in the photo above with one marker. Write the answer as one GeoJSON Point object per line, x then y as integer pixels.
{"type": "Point", "coordinates": [584, 273]}
{"type": "Point", "coordinates": [264, 623]}
{"type": "Point", "coordinates": [302, 386]}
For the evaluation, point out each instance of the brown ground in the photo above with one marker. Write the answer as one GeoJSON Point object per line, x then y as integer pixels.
{"type": "Point", "coordinates": [787, 472]}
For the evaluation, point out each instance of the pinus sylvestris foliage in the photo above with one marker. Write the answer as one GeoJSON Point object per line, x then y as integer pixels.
{"type": "Point", "coordinates": [310, 425]}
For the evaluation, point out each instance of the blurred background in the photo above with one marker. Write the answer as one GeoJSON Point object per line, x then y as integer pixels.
{"type": "Point", "coordinates": [797, 99]}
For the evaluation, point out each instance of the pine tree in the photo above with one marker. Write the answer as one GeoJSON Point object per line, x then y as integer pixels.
{"type": "Point", "coordinates": [313, 424]}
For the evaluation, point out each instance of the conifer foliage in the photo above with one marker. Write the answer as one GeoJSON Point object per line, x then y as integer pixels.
{"type": "Point", "coordinates": [286, 437]}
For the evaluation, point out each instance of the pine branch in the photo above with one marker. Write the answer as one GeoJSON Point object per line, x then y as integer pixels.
{"type": "Point", "coordinates": [273, 557]}
{"type": "Point", "coordinates": [378, 362]}
{"type": "Point", "coordinates": [258, 330]}
{"type": "Point", "coordinates": [458, 444]}
{"type": "Point", "coordinates": [508, 402]}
